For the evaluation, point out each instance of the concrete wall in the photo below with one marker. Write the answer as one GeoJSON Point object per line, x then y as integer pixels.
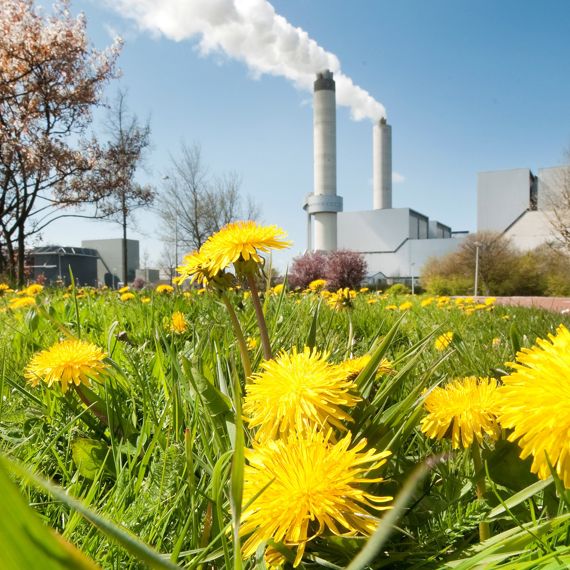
{"type": "Point", "coordinates": [530, 231]}
{"type": "Point", "coordinates": [373, 230]}
{"type": "Point", "coordinates": [386, 238]}
{"type": "Point", "coordinates": [551, 181]}
{"type": "Point", "coordinates": [111, 252]}
{"type": "Point", "coordinates": [411, 257]}
{"type": "Point", "coordinates": [502, 196]}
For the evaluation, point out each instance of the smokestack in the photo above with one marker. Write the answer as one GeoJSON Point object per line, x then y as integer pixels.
{"type": "Point", "coordinates": [382, 165]}
{"type": "Point", "coordinates": [324, 204]}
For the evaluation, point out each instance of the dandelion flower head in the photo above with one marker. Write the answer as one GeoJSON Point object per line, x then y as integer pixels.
{"type": "Point", "coordinates": [317, 285]}
{"type": "Point", "coordinates": [535, 403]}
{"type": "Point", "coordinates": [464, 410]}
{"type": "Point", "coordinates": [341, 299]}
{"type": "Point", "coordinates": [178, 323]}
{"type": "Point", "coordinates": [242, 241]}
{"type": "Point", "coordinates": [196, 267]}
{"type": "Point", "coordinates": [22, 302]}
{"type": "Point", "coordinates": [296, 390]}
{"type": "Point", "coordinates": [443, 341]}
{"type": "Point", "coordinates": [354, 366]}
{"type": "Point", "coordinates": [303, 486]}
{"type": "Point", "coordinates": [67, 362]}
{"type": "Point", "coordinates": [127, 296]}
{"type": "Point", "coordinates": [164, 289]}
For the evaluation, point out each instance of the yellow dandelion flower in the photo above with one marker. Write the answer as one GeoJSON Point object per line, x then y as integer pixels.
{"type": "Point", "coordinates": [405, 306]}
{"type": "Point", "coordinates": [317, 285]}
{"type": "Point", "coordinates": [122, 289]}
{"type": "Point", "coordinates": [364, 289]}
{"type": "Point", "coordinates": [426, 302]}
{"type": "Point", "coordinates": [127, 296]}
{"type": "Point", "coordinates": [372, 301]}
{"type": "Point", "coordinates": [164, 289]}
{"type": "Point", "coordinates": [535, 403]}
{"type": "Point", "coordinates": [242, 241]}
{"type": "Point", "coordinates": [496, 342]}
{"type": "Point", "coordinates": [443, 341]}
{"type": "Point", "coordinates": [273, 559]}
{"type": "Point", "coordinates": [490, 300]}
{"type": "Point", "coordinates": [277, 290]}
{"type": "Point", "coordinates": [22, 302]}
{"type": "Point", "coordinates": [178, 323]}
{"type": "Point", "coordinates": [391, 307]}
{"type": "Point", "coordinates": [354, 366]}
{"type": "Point", "coordinates": [5, 288]}
{"type": "Point", "coordinates": [33, 290]}
{"type": "Point", "coordinates": [67, 362]}
{"type": "Point", "coordinates": [251, 343]}
{"type": "Point", "coordinates": [465, 409]}
{"type": "Point", "coordinates": [305, 486]}
{"type": "Point", "coordinates": [341, 299]}
{"type": "Point", "coordinates": [295, 390]}
{"type": "Point", "coordinates": [196, 267]}
{"type": "Point", "coordinates": [145, 300]}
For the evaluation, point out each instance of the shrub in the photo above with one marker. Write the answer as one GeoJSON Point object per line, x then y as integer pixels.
{"type": "Point", "coordinates": [345, 268]}
{"type": "Point", "coordinates": [307, 268]}
{"type": "Point", "coordinates": [398, 289]}
{"type": "Point", "coordinates": [340, 269]}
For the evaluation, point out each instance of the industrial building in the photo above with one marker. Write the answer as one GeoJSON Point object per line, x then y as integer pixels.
{"type": "Point", "coordinates": [519, 204]}
{"type": "Point", "coordinates": [55, 264]}
{"type": "Point", "coordinates": [110, 262]}
{"type": "Point", "coordinates": [396, 242]}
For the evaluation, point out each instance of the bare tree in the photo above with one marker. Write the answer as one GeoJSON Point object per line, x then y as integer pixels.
{"type": "Point", "coordinates": [193, 205]}
{"type": "Point", "coordinates": [122, 156]}
{"type": "Point", "coordinates": [50, 79]}
{"type": "Point", "coordinates": [557, 199]}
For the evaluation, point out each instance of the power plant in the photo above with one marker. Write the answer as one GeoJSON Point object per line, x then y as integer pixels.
{"type": "Point", "coordinates": [396, 242]}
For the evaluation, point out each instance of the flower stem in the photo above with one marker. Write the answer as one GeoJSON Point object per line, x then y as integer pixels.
{"type": "Point", "coordinates": [239, 336]}
{"type": "Point", "coordinates": [260, 318]}
{"type": "Point", "coordinates": [480, 487]}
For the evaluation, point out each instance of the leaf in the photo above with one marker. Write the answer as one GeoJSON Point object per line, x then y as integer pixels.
{"type": "Point", "coordinates": [217, 402]}
{"type": "Point", "coordinates": [90, 457]}
{"type": "Point", "coordinates": [25, 542]}
{"type": "Point", "coordinates": [128, 541]}
{"type": "Point", "coordinates": [312, 336]}
{"type": "Point", "coordinates": [506, 468]}
{"type": "Point", "coordinates": [520, 497]}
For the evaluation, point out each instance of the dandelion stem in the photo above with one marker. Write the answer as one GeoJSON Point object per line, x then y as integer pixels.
{"type": "Point", "coordinates": [260, 318]}
{"type": "Point", "coordinates": [239, 336]}
{"type": "Point", "coordinates": [480, 487]}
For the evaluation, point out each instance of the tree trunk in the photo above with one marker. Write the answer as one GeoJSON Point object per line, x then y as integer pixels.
{"type": "Point", "coordinates": [21, 256]}
{"type": "Point", "coordinates": [125, 254]}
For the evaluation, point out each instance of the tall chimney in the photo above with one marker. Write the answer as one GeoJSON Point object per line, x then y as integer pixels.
{"type": "Point", "coordinates": [323, 205]}
{"type": "Point", "coordinates": [382, 165]}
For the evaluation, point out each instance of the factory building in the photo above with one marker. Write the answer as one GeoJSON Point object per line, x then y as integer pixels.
{"type": "Point", "coordinates": [519, 204]}
{"type": "Point", "coordinates": [110, 263]}
{"type": "Point", "coordinates": [54, 264]}
{"type": "Point", "coordinates": [396, 242]}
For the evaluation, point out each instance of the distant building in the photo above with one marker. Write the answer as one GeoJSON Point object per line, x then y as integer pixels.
{"type": "Point", "coordinates": [55, 262]}
{"type": "Point", "coordinates": [519, 204]}
{"type": "Point", "coordinates": [110, 264]}
{"type": "Point", "coordinates": [150, 276]}
{"type": "Point", "coordinates": [396, 242]}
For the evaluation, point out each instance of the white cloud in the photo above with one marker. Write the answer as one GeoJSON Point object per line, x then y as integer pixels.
{"type": "Point", "coordinates": [398, 178]}
{"type": "Point", "coordinates": [250, 31]}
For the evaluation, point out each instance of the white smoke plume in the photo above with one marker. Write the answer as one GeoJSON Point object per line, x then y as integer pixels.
{"type": "Point", "coordinates": [250, 31]}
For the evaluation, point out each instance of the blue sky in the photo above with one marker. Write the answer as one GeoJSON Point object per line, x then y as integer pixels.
{"type": "Point", "coordinates": [468, 86]}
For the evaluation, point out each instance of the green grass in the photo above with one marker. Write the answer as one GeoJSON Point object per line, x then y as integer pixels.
{"type": "Point", "coordinates": [164, 478]}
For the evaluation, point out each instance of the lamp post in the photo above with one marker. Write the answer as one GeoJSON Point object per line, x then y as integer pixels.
{"type": "Point", "coordinates": [477, 245]}
{"type": "Point", "coordinates": [60, 250]}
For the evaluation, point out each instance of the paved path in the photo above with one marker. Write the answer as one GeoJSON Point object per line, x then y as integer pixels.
{"type": "Point", "coordinates": [556, 304]}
